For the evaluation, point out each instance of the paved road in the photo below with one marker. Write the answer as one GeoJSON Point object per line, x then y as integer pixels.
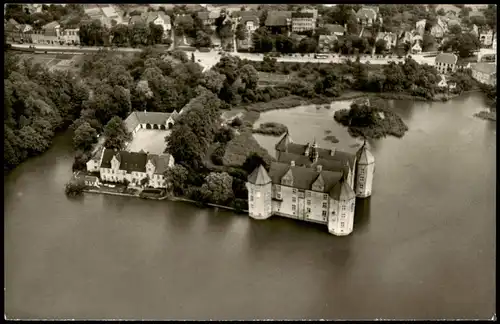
{"type": "Point", "coordinates": [209, 59]}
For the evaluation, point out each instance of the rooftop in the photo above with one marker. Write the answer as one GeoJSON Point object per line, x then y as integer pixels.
{"type": "Point", "coordinates": [447, 58]}
{"type": "Point", "coordinates": [487, 68]}
{"type": "Point", "coordinates": [277, 18]}
{"type": "Point", "coordinates": [144, 117]}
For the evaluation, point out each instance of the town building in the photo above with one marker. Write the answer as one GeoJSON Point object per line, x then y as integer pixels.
{"type": "Point", "coordinates": [250, 22]}
{"type": "Point", "coordinates": [110, 15]}
{"type": "Point", "coordinates": [485, 73]}
{"type": "Point", "coordinates": [71, 36]}
{"type": "Point", "coordinates": [138, 168]}
{"type": "Point", "coordinates": [366, 16]}
{"type": "Point", "coordinates": [33, 8]}
{"type": "Point", "coordinates": [150, 120]}
{"type": "Point", "coordinates": [277, 21]}
{"type": "Point", "coordinates": [209, 17]}
{"type": "Point", "coordinates": [311, 184]}
{"type": "Point", "coordinates": [303, 21]}
{"type": "Point", "coordinates": [486, 37]}
{"type": "Point", "coordinates": [390, 39]}
{"type": "Point", "coordinates": [475, 30]}
{"type": "Point", "coordinates": [439, 29]}
{"type": "Point", "coordinates": [416, 48]}
{"type": "Point", "coordinates": [326, 43]}
{"type": "Point", "coordinates": [158, 18]}
{"type": "Point", "coordinates": [446, 62]}
{"type": "Point", "coordinates": [48, 34]}
{"type": "Point", "coordinates": [335, 29]}
{"type": "Point", "coordinates": [420, 26]}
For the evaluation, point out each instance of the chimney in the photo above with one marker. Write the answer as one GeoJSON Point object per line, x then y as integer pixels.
{"type": "Point", "coordinates": [332, 152]}
{"type": "Point", "coordinates": [319, 168]}
{"type": "Point", "coordinates": [306, 153]}
{"type": "Point", "coordinates": [292, 163]}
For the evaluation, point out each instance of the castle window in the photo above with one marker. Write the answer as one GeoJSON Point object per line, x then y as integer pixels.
{"type": "Point", "coordinates": [308, 201]}
{"type": "Point", "coordinates": [352, 207]}
{"type": "Point", "coordinates": [308, 194]}
{"type": "Point", "coordinates": [342, 224]}
{"type": "Point", "coordinates": [294, 190]}
{"type": "Point", "coordinates": [324, 205]}
{"type": "Point", "coordinates": [308, 210]}
{"type": "Point", "coordinates": [325, 196]}
{"type": "Point", "coordinates": [343, 207]}
{"type": "Point", "coordinates": [251, 197]}
{"type": "Point", "coordinates": [278, 187]}
{"type": "Point", "coordinates": [278, 195]}
{"type": "Point", "coordinates": [293, 207]}
{"type": "Point", "coordinates": [333, 212]}
{"type": "Point", "coordinates": [294, 199]}
{"type": "Point", "coordinates": [324, 213]}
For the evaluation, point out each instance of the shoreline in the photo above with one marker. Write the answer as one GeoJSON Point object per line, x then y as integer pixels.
{"type": "Point", "coordinates": [95, 191]}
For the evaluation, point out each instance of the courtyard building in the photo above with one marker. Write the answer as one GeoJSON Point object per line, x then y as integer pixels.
{"type": "Point", "coordinates": [150, 120]}
{"type": "Point", "coordinates": [446, 63]}
{"type": "Point", "coordinates": [303, 21]}
{"type": "Point", "coordinates": [486, 73]}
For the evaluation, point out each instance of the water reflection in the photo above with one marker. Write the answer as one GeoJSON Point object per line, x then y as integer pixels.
{"type": "Point", "coordinates": [362, 215]}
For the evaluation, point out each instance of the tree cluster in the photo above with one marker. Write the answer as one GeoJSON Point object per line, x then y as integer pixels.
{"type": "Point", "coordinates": [138, 34]}
{"type": "Point", "coordinates": [69, 15]}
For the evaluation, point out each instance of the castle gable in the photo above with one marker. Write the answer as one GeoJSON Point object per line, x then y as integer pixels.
{"type": "Point", "coordinates": [319, 184]}
{"type": "Point", "coordinates": [287, 179]}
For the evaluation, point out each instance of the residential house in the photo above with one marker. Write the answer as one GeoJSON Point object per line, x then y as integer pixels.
{"type": "Point", "coordinates": [326, 43]}
{"type": "Point", "coordinates": [118, 166]}
{"type": "Point", "coordinates": [439, 29]}
{"type": "Point", "coordinates": [367, 15]}
{"type": "Point", "coordinates": [450, 10]}
{"type": "Point", "coordinates": [158, 18]}
{"type": "Point", "coordinates": [475, 30]}
{"type": "Point", "coordinates": [33, 8]}
{"type": "Point", "coordinates": [94, 164]}
{"type": "Point", "coordinates": [209, 17]}
{"type": "Point", "coordinates": [13, 31]}
{"type": "Point", "coordinates": [485, 73]}
{"type": "Point", "coordinates": [112, 14]}
{"type": "Point", "coordinates": [405, 37]}
{"type": "Point", "coordinates": [71, 36]}
{"type": "Point", "coordinates": [150, 120]}
{"type": "Point", "coordinates": [303, 21]}
{"type": "Point", "coordinates": [446, 62]}
{"type": "Point", "coordinates": [48, 34]}
{"type": "Point", "coordinates": [278, 20]}
{"type": "Point", "coordinates": [476, 7]}
{"type": "Point", "coordinates": [390, 39]}
{"type": "Point", "coordinates": [416, 47]}
{"type": "Point", "coordinates": [476, 14]}
{"type": "Point", "coordinates": [335, 29]}
{"type": "Point", "coordinates": [486, 37]}
{"type": "Point", "coordinates": [88, 180]}
{"type": "Point", "coordinates": [420, 26]}
{"type": "Point", "coordinates": [250, 22]}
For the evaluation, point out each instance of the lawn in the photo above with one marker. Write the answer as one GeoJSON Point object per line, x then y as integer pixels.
{"type": "Point", "coordinates": [150, 140]}
{"type": "Point", "coordinates": [239, 148]}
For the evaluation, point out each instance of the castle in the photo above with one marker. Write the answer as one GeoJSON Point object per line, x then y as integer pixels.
{"type": "Point", "coordinates": [312, 184]}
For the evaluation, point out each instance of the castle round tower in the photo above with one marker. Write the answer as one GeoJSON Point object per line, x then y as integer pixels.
{"type": "Point", "coordinates": [259, 188]}
{"type": "Point", "coordinates": [341, 220]}
{"type": "Point", "coordinates": [365, 168]}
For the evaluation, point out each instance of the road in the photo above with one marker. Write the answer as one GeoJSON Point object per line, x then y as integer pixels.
{"type": "Point", "coordinates": [209, 59]}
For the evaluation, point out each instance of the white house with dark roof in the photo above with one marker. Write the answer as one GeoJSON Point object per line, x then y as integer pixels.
{"type": "Point", "coordinates": [367, 15]}
{"type": "Point", "coordinates": [311, 184]}
{"type": "Point", "coordinates": [335, 29]}
{"type": "Point", "coordinates": [486, 37]}
{"type": "Point", "coordinates": [158, 18]}
{"type": "Point", "coordinates": [118, 166]}
{"type": "Point", "coordinates": [446, 63]}
{"type": "Point", "coordinates": [486, 73]}
{"type": "Point", "coordinates": [150, 120]}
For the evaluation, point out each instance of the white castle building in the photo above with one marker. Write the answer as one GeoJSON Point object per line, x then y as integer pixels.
{"type": "Point", "coordinates": [312, 184]}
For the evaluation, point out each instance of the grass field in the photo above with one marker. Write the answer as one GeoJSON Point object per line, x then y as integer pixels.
{"type": "Point", "coordinates": [240, 147]}
{"type": "Point", "coordinates": [150, 140]}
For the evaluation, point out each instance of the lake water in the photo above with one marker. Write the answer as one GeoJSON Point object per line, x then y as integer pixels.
{"type": "Point", "coordinates": [423, 245]}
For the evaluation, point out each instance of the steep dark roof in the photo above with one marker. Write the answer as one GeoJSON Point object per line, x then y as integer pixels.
{"type": "Point", "coordinates": [302, 15]}
{"type": "Point", "coordinates": [299, 149]}
{"type": "Point", "coordinates": [303, 177]}
{"type": "Point", "coordinates": [277, 18]}
{"type": "Point", "coordinates": [129, 161]}
{"type": "Point", "coordinates": [446, 58]}
{"type": "Point", "coordinates": [302, 160]}
{"type": "Point", "coordinates": [259, 176]}
{"type": "Point", "coordinates": [342, 191]}
{"type": "Point", "coordinates": [160, 162]}
{"type": "Point", "coordinates": [284, 142]}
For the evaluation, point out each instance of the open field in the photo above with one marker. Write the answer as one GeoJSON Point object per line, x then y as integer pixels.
{"type": "Point", "coordinates": [56, 61]}
{"type": "Point", "coordinates": [150, 140]}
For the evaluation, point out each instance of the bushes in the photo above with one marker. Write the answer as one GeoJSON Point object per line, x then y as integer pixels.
{"type": "Point", "coordinates": [218, 155]}
{"type": "Point", "coordinates": [236, 122]}
{"type": "Point", "coordinates": [74, 188]}
{"type": "Point", "coordinates": [80, 162]}
{"type": "Point", "coordinates": [274, 129]}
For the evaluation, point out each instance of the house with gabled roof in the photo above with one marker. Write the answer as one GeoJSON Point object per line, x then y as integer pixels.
{"type": "Point", "coordinates": [335, 29]}
{"type": "Point", "coordinates": [134, 167]}
{"type": "Point", "coordinates": [278, 20]}
{"type": "Point", "coordinates": [311, 184]}
{"type": "Point", "coordinates": [150, 120]}
{"type": "Point", "coordinates": [366, 16]}
{"type": "Point", "coordinates": [446, 62]}
{"type": "Point", "coordinates": [485, 73]}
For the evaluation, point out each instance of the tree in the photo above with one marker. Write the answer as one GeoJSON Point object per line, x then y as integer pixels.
{"type": "Point", "coordinates": [156, 33]}
{"type": "Point", "coordinates": [202, 39]}
{"type": "Point", "coordinates": [285, 44]}
{"type": "Point", "coordinates": [454, 30]}
{"type": "Point", "coordinates": [465, 44]}
{"type": "Point", "coordinates": [441, 12]}
{"type": "Point", "coordinates": [380, 46]}
{"type": "Point", "coordinates": [116, 134]}
{"type": "Point", "coordinates": [262, 41]}
{"type": "Point", "coordinates": [213, 81]}
{"type": "Point", "coordinates": [139, 34]}
{"type": "Point", "coordinates": [240, 32]}
{"type": "Point", "coordinates": [219, 187]}
{"type": "Point", "coordinates": [249, 76]}
{"type": "Point", "coordinates": [120, 35]}
{"type": "Point", "coordinates": [177, 176]}
{"type": "Point", "coordinates": [74, 188]}
{"type": "Point", "coordinates": [85, 136]}
{"type": "Point", "coordinates": [253, 161]}
{"type": "Point", "coordinates": [428, 42]}
{"type": "Point", "coordinates": [369, 119]}
{"type": "Point", "coordinates": [308, 45]}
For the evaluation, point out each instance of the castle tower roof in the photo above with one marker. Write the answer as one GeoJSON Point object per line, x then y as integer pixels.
{"type": "Point", "coordinates": [284, 141]}
{"type": "Point", "coordinates": [259, 176]}
{"type": "Point", "coordinates": [364, 156]}
{"type": "Point", "coordinates": [342, 191]}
